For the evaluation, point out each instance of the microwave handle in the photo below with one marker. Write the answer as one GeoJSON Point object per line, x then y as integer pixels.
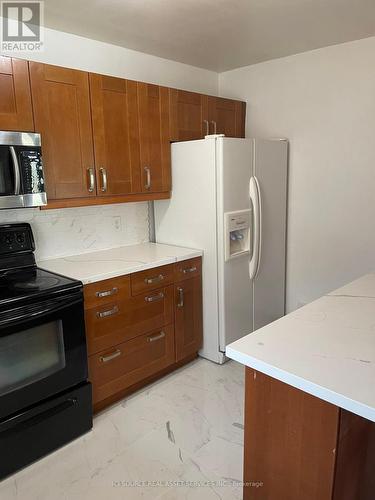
{"type": "Point", "coordinates": [16, 170]}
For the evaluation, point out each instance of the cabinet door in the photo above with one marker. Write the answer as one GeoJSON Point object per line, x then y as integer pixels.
{"type": "Point", "coordinates": [116, 134]}
{"type": "Point", "coordinates": [189, 120]}
{"type": "Point", "coordinates": [155, 147]}
{"type": "Point", "coordinates": [62, 115]}
{"type": "Point", "coordinates": [188, 317]}
{"type": "Point", "coordinates": [15, 97]}
{"type": "Point", "coordinates": [226, 116]}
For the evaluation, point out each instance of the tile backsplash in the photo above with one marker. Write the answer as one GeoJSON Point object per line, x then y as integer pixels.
{"type": "Point", "coordinates": [70, 231]}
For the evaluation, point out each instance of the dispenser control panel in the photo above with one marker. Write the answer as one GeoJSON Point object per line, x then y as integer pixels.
{"type": "Point", "coordinates": [237, 233]}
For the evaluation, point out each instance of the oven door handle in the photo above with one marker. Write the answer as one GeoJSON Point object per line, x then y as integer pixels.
{"type": "Point", "coordinates": [24, 314]}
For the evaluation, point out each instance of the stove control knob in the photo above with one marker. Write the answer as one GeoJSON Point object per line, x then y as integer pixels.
{"type": "Point", "coordinates": [9, 238]}
{"type": "Point", "coordinates": [20, 239]}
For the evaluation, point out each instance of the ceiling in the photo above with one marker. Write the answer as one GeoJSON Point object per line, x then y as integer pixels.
{"type": "Point", "coordinates": [215, 34]}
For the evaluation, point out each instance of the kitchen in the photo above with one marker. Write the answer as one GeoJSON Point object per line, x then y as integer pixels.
{"type": "Point", "coordinates": [184, 240]}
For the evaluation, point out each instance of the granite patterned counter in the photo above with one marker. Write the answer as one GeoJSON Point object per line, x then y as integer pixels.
{"type": "Point", "coordinates": [105, 264]}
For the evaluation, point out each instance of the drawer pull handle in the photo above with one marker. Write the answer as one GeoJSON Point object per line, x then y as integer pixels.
{"type": "Point", "coordinates": [107, 293]}
{"type": "Point", "coordinates": [154, 279]}
{"type": "Point", "coordinates": [156, 337]}
{"type": "Point", "coordinates": [154, 298]}
{"type": "Point", "coordinates": [189, 270]}
{"type": "Point", "coordinates": [110, 312]}
{"type": "Point", "coordinates": [114, 355]}
{"type": "Point", "coordinates": [180, 302]}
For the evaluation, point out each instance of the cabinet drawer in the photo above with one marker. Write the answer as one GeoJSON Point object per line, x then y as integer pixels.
{"type": "Point", "coordinates": [120, 367]}
{"type": "Point", "coordinates": [106, 291]}
{"type": "Point", "coordinates": [119, 321]}
{"type": "Point", "coordinates": [188, 269]}
{"type": "Point", "coordinates": [151, 279]}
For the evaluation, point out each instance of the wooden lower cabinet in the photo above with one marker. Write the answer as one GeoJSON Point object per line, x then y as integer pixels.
{"type": "Point", "coordinates": [141, 325]}
{"type": "Point", "coordinates": [188, 317]}
{"type": "Point", "coordinates": [130, 362]}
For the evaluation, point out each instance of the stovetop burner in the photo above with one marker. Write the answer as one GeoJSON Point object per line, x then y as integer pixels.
{"type": "Point", "coordinates": [37, 283]}
{"type": "Point", "coordinates": [21, 280]}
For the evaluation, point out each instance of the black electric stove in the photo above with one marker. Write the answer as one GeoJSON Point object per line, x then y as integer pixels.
{"type": "Point", "coordinates": [45, 398]}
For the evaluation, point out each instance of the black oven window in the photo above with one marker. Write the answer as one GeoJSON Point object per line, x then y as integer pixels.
{"type": "Point", "coordinates": [31, 355]}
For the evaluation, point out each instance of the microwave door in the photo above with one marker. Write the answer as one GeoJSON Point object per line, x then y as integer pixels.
{"type": "Point", "coordinates": [10, 178]}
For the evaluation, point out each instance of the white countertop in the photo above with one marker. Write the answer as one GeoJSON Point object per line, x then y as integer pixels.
{"type": "Point", "coordinates": [104, 264]}
{"type": "Point", "coordinates": [326, 348]}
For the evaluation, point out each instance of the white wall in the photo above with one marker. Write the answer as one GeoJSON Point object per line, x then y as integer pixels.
{"type": "Point", "coordinates": [324, 102]}
{"type": "Point", "coordinates": [74, 231]}
{"type": "Point", "coordinates": [72, 51]}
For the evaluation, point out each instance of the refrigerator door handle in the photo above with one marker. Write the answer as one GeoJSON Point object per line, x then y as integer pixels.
{"type": "Point", "coordinates": [256, 199]}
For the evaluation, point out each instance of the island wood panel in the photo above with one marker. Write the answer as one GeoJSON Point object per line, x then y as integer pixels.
{"type": "Point", "coordinates": [62, 114]}
{"type": "Point", "coordinates": [116, 134]}
{"type": "Point", "coordinates": [355, 466]}
{"type": "Point", "coordinates": [16, 111]}
{"type": "Point", "coordinates": [290, 442]}
{"type": "Point", "coordinates": [155, 148]}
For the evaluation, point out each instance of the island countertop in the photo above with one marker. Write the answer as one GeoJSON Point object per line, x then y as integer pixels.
{"type": "Point", "coordinates": [104, 264]}
{"type": "Point", "coordinates": [326, 348]}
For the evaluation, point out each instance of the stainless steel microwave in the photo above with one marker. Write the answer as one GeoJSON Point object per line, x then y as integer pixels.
{"type": "Point", "coordinates": [21, 171]}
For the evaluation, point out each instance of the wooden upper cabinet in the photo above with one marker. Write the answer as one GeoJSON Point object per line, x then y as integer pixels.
{"type": "Point", "coordinates": [154, 128]}
{"type": "Point", "coordinates": [187, 115]}
{"type": "Point", "coordinates": [116, 135]}
{"type": "Point", "coordinates": [226, 116]}
{"type": "Point", "coordinates": [16, 111]}
{"type": "Point", "coordinates": [195, 115]}
{"type": "Point", "coordinates": [62, 115]}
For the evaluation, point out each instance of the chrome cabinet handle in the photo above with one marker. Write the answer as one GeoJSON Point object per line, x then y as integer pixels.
{"type": "Point", "coordinates": [189, 270]}
{"type": "Point", "coordinates": [154, 298]}
{"type": "Point", "coordinates": [215, 127]}
{"type": "Point", "coordinates": [148, 178]}
{"type": "Point", "coordinates": [91, 175]}
{"type": "Point", "coordinates": [16, 170]}
{"type": "Point", "coordinates": [107, 293]}
{"type": "Point", "coordinates": [103, 172]}
{"type": "Point", "coordinates": [161, 335]}
{"type": "Point", "coordinates": [180, 302]}
{"type": "Point", "coordinates": [110, 312]}
{"type": "Point", "coordinates": [105, 359]}
{"type": "Point", "coordinates": [155, 279]}
{"type": "Point", "coordinates": [207, 127]}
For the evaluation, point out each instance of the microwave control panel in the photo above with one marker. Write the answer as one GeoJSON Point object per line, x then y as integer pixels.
{"type": "Point", "coordinates": [32, 171]}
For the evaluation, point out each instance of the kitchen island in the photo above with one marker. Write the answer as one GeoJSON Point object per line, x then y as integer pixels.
{"type": "Point", "coordinates": [310, 400]}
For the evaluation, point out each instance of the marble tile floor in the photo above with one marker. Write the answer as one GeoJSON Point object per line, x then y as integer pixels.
{"type": "Point", "coordinates": [179, 438]}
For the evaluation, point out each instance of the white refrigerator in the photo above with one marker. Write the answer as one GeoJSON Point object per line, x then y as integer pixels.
{"type": "Point", "coordinates": [229, 198]}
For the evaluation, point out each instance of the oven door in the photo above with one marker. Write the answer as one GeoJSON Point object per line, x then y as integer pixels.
{"type": "Point", "coordinates": [42, 351]}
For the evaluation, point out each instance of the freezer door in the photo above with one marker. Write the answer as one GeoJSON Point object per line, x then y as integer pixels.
{"type": "Point", "coordinates": [270, 170]}
{"type": "Point", "coordinates": [234, 169]}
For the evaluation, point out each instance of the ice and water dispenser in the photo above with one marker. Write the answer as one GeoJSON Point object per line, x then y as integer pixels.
{"type": "Point", "coordinates": [237, 227]}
